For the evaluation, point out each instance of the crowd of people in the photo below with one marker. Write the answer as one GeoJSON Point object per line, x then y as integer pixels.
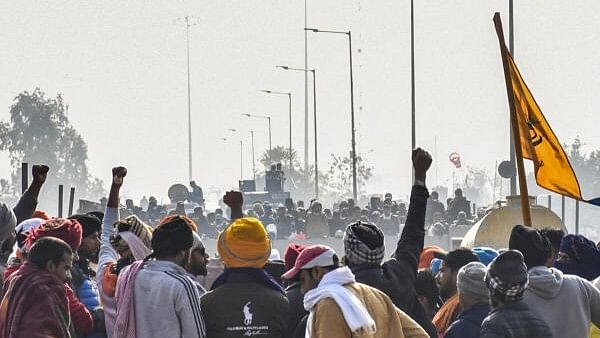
{"type": "Point", "coordinates": [104, 275]}
{"type": "Point", "coordinates": [292, 219]}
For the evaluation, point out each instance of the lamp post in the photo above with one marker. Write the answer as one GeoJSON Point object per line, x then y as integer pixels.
{"type": "Point", "coordinates": [314, 74]}
{"type": "Point", "coordinates": [253, 160]}
{"type": "Point", "coordinates": [268, 118]}
{"type": "Point", "coordinates": [241, 155]}
{"type": "Point", "coordinates": [289, 95]}
{"type": "Point", "coordinates": [349, 35]}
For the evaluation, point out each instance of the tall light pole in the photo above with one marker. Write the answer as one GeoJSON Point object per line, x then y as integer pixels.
{"type": "Point", "coordinates": [189, 22]}
{"type": "Point", "coordinates": [253, 160]}
{"type": "Point", "coordinates": [289, 95]}
{"type": "Point", "coordinates": [305, 89]}
{"type": "Point", "coordinates": [268, 118]}
{"type": "Point", "coordinates": [349, 35]}
{"type": "Point", "coordinates": [241, 160]}
{"type": "Point", "coordinates": [314, 74]}
{"type": "Point", "coordinates": [241, 156]}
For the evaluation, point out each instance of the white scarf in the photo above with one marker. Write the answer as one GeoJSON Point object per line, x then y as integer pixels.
{"type": "Point", "coordinates": [137, 247]}
{"type": "Point", "coordinates": [332, 286]}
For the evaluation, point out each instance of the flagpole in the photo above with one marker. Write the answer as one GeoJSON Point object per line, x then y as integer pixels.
{"type": "Point", "coordinates": [413, 143]}
{"type": "Point", "coordinates": [515, 127]}
{"type": "Point", "coordinates": [511, 48]}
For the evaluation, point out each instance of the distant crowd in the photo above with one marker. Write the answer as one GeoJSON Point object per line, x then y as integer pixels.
{"type": "Point", "coordinates": [103, 274]}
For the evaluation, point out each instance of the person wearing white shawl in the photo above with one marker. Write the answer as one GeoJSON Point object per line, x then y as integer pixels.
{"type": "Point", "coordinates": [340, 307]}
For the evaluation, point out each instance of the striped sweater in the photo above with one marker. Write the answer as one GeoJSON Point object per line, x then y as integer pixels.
{"type": "Point", "coordinates": [167, 302]}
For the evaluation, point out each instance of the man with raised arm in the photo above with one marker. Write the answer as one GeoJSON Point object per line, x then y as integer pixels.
{"type": "Point", "coordinates": [364, 249]}
{"type": "Point", "coordinates": [121, 243]}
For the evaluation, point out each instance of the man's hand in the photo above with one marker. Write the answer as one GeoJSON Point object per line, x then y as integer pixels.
{"type": "Point", "coordinates": [234, 199]}
{"type": "Point", "coordinates": [421, 162]}
{"type": "Point", "coordinates": [118, 174]}
{"type": "Point", "coordinates": [40, 173]}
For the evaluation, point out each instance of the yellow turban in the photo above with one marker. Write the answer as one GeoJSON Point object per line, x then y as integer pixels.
{"type": "Point", "coordinates": [244, 244]}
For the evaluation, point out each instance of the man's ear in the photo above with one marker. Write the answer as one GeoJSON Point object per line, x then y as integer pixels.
{"type": "Point", "coordinates": [50, 265]}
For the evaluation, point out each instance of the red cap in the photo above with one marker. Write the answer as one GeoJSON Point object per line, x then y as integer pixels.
{"type": "Point", "coordinates": [310, 257]}
{"type": "Point", "coordinates": [291, 254]}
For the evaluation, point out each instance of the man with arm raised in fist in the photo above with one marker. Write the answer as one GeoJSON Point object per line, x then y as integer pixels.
{"type": "Point", "coordinates": [121, 243]}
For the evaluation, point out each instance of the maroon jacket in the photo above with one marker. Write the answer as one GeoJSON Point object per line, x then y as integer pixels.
{"type": "Point", "coordinates": [35, 305]}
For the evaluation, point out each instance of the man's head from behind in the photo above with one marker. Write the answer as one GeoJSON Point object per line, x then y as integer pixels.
{"type": "Point", "coordinates": [471, 286]}
{"type": "Point", "coordinates": [53, 255]}
{"type": "Point", "coordinates": [244, 244]}
{"type": "Point", "coordinates": [535, 247]}
{"type": "Point", "coordinates": [555, 237]}
{"type": "Point", "coordinates": [506, 278]}
{"type": "Point", "coordinates": [311, 265]}
{"type": "Point", "coordinates": [172, 240]}
{"type": "Point", "coordinates": [434, 195]}
{"type": "Point", "coordinates": [451, 264]}
{"type": "Point", "coordinates": [363, 244]}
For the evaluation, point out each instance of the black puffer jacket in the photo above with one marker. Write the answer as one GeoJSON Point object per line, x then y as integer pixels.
{"type": "Point", "coordinates": [397, 276]}
{"type": "Point", "coordinates": [244, 307]}
{"type": "Point", "coordinates": [297, 311]}
{"type": "Point", "coordinates": [513, 320]}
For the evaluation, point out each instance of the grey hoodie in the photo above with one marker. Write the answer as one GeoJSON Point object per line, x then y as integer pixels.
{"type": "Point", "coordinates": [569, 304]}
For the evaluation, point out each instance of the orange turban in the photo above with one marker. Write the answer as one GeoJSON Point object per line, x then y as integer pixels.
{"type": "Point", "coordinates": [427, 256]}
{"type": "Point", "coordinates": [40, 214]}
{"type": "Point", "coordinates": [244, 244]}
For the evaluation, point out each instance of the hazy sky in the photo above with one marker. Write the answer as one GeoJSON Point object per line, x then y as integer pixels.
{"type": "Point", "coordinates": [122, 69]}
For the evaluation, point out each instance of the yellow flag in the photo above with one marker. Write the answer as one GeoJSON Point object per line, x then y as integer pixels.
{"type": "Point", "coordinates": [538, 142]}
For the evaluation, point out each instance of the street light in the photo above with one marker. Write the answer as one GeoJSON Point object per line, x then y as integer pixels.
{"type": "Point", "coordinates": [289, 95]}
{"type": "Point", "coordinates": [188, 23]}
{"type": "Point", "coordinates": [314, 74]}
{"type": "Point", "coordinates": [241, 155]}
{"type": "Point", "coordinates": [253, 161]}
{"type": "Point", "coordinates": [268, 117]}
{"type": "Point", "coordinates": [349, 34]}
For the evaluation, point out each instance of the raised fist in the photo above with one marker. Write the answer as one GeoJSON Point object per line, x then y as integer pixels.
{"type": "Point", "coordinates": [40, 173]}
{"type": "Point", "coordinates": [118, 174]}
{"type": "Point", "coordinates": [421, 162]}
{"type": "Point", "coordinates": [233, 199]}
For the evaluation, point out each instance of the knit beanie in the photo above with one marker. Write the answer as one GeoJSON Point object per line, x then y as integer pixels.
{"type": "Point", "coordinates": [534, 246]}
{"type": "Point", "coordinates": [584, 257]}
{"type": "Point", "coordinates": [363, 243]}
{"type": "Point", "coordinates": [89, 224]}
{"type": "Point", "coordinates": [69, 230]}
{"type": "Point", "coordinates": [291, 254]}
{"type": "Point", "coordinates": [8, 221]}
{"type": "Point", "coordinates": [506, 276]}
{"type": "Point", "coordinates": [470, 282]}
{"type": "Point", "coordinates": [135, 225]}
{"type": "Point", "coordinates": [244, 244]}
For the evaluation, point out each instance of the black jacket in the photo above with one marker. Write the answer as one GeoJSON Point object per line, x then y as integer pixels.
{"type": "Point", "coordinates": [397, 276]}
{"type": "Point", "coordinates": [244, 307]}
{"type": "Point", "coordinates": [514, 320]}
{"type": "Point", "coordinates": [297, 311]}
